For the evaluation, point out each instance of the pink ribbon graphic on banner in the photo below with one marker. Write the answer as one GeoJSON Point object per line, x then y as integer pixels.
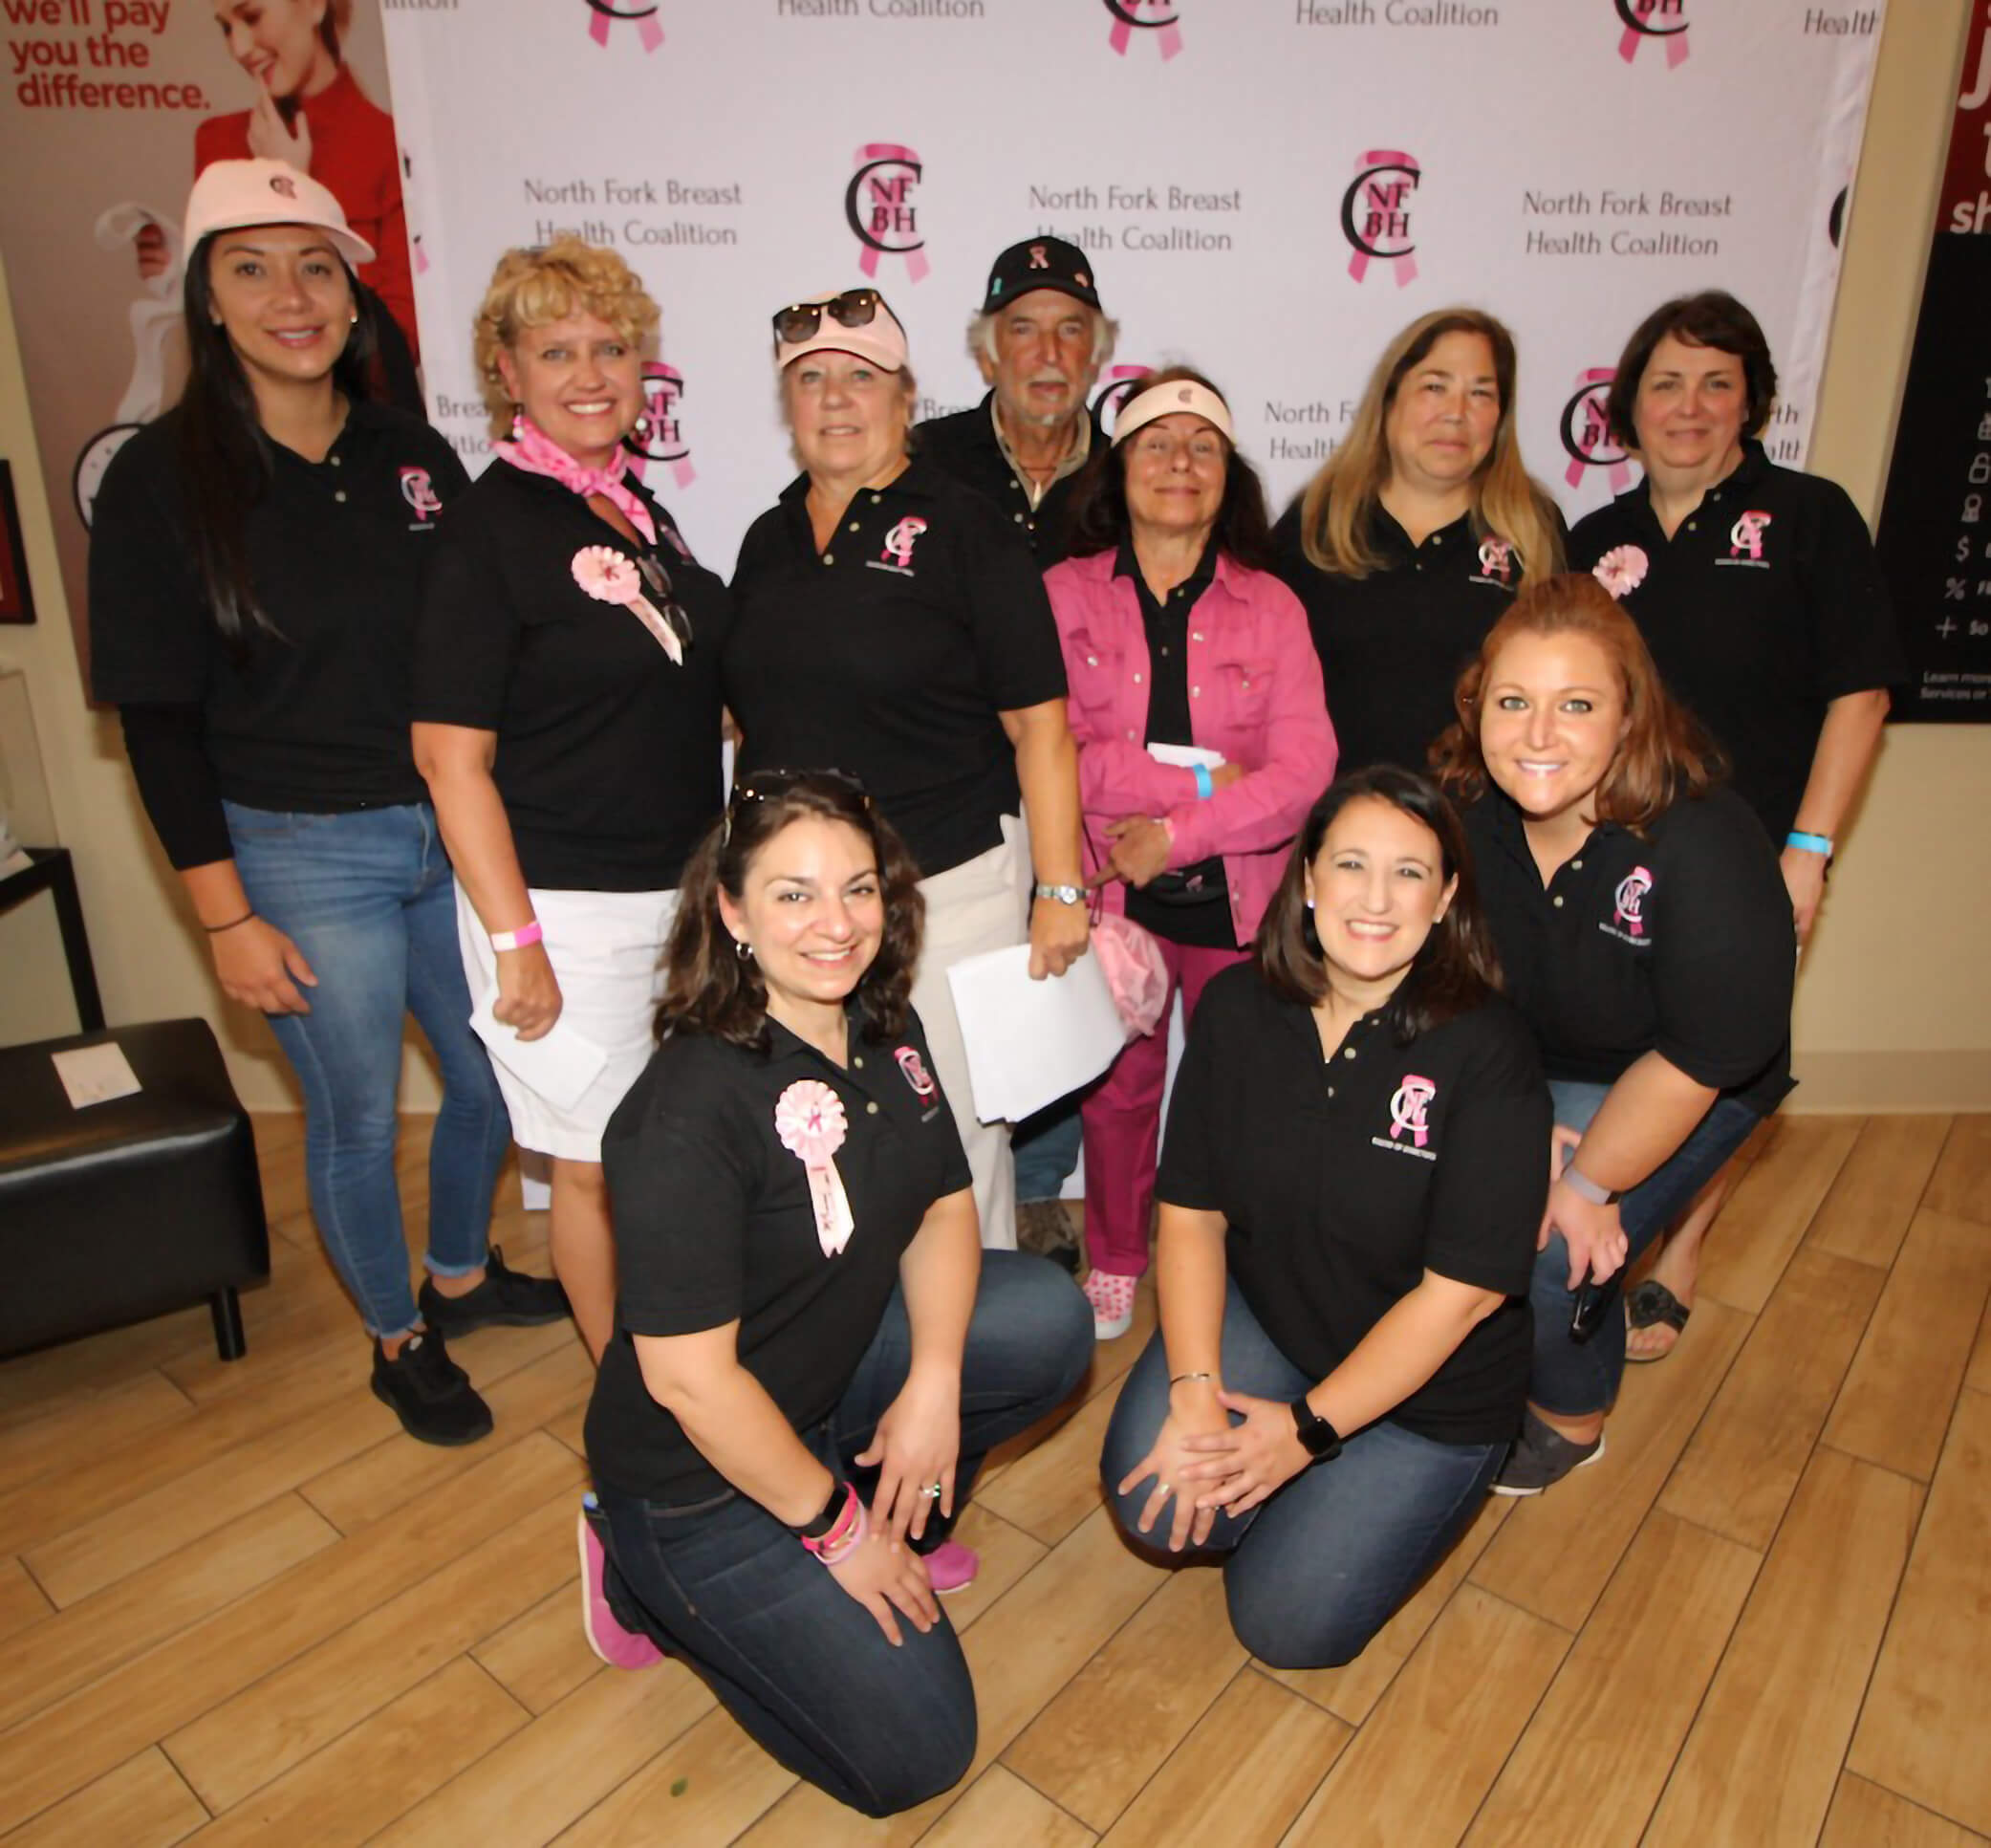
{"type": "Point", "coordinates": [809, 1121]}
{"type": "Point", "coordinates": [890, 197]}
{"type": "Point", "coordinates": [1635, 35]}
{"type": "Point", "coordinates": [1168, 32]}
{"type": "Point", "coordinates": [648, 28]}
{"type": "Point", "coordinates": [1365, 163]}
{"type": "Point", "coordinates": [1597, 433]}
{"type": "Point", "coordinates": [663, 387]}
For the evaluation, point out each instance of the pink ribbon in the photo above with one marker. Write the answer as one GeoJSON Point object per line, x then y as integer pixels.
{"type": "Point", "coordinates": [809, 1121]}
{"type": "Point", "coordinates": [1407, 1109]}
{"type": "Point", "coordinates": [1675, 45]}
{"type": "Point", "coordinates": [916, 266]}
{"type": "Point", "coordinates": [1619, 472]}
{"type": "Point", "coordinates": [609, 577]}
{"type": "Point", "coordinates": [1406, 264]}
{"type": "Point", "coordinates": [1168, 33]}
{"type": "Point", "coordinates": [648, 29]}
{"type": "Point", "coordinates": [662, 387]}
{"type": "Point", "coordinates": [532, 449]}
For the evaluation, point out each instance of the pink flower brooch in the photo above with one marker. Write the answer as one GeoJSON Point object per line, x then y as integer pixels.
{"type": "Point", "coordinates": [609, 577]}
{"type": "Point", "coordinates": [1621, 569]}
{"type": "Point", "coordinates": [809, 1121]}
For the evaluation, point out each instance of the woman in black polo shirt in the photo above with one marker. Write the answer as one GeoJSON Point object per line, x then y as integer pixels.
{"type": "Point", "coordinates": [1645, 933]}
{"type": "Point", "coordinates": [1413, 538]}
{"type": "Point", "coordinates": [255, 561]}
{"type": "Point", "coordinates": [567, 719]}
{"type": "Point", "coordinates": [889, 620]}
{"type": "Point", "coordinates": [1757, 591]}
{"type": "Point", "coordinates": [803, 1296]}
{"type": "Point", "coordinates": [1350, 1190]}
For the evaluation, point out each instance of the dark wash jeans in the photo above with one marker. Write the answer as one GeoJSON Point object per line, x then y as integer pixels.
{"type": "Point", "coordinates": [792, 1656]}
{"type": "Point", "coordinates": [1313, 1571]}
{"type": "Point", "coordinates": [1573, 1379]}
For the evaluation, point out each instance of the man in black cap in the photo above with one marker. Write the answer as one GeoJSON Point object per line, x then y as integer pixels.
{"type": "Point", "coordinates": [1040, 340]}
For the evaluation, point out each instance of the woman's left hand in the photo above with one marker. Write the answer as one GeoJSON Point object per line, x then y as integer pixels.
{"type": "Point", "coordinates": [1594, 1234]}
{"type": "Point", "coordinates": [918, 1442]}
{"type": "Point", "coordinates": [1140, 847]}
{"type": "Point", "coordinates": [1804, 879]}
{"type": "Point", "coordinates": [1249, 1460]}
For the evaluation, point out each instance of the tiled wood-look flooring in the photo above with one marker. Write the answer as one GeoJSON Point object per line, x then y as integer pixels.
{"type": "Point", "coordinates": [238, 1605]}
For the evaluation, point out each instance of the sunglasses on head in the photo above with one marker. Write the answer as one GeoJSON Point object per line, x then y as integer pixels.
{"type": "Point", "coordinates": [771, 785]}
{"type": "Point", "coordinates": [800, 320]}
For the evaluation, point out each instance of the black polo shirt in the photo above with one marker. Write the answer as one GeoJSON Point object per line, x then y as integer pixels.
{"type": "Point", "coordinates": [315, 718]}
{"type": "Point", "coordinates": [608, 755]}
{"type": "Point", "coordinates": [1680, 943]}
{"type": "Point", "coordinates": [1392, 644]}
{"type": "Point", "coordinates": [1342, 1180]}
{"type": "Point", "coordinates": [966, 447]}
{"type": "Point", "coordinates": [894, 660]}
{"type": "Point", "coordinates": [713, 1225]}
{"type": "Point", "coordinates": [1765, 603]}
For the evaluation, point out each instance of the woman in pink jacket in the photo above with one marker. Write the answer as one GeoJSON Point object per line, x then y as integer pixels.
{"type": "Point", "coordinates": [1202, 741]}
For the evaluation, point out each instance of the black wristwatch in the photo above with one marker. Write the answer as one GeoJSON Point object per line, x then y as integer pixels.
{"type": "Point", "coordinates": [1322, 1440]}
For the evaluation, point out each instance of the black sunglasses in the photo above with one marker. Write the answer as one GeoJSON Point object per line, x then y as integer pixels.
{"type": "Point", "coordinates": [799, 320]}
{"type": "Point", "coordinates": [663, 598]}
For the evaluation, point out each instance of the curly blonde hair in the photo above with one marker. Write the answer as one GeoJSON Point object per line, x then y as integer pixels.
{"type": "Point", "coordinates": [536, 286]}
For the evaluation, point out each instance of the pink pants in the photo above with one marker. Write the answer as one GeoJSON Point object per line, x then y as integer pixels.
{"type": "Point", "coordinates": [1122, 1121]}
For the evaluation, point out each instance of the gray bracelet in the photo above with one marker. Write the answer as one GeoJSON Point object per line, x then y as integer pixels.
{"type": "Point", "coordinates": [1585, 1188]}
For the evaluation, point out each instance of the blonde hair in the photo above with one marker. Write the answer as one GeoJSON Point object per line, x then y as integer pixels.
{"type": "Point", "coordinates": [1341, 499]}
{"type": "Point", "coordinates": [534, 287]}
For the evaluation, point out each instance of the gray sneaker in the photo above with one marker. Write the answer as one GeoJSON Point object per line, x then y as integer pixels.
{"type": "Point", "coordinates": [1541, 1458]}
{"type": "Point", "coordinates": [1044, 1226]}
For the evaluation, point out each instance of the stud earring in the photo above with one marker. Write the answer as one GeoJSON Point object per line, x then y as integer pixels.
{"type": "Point", "coordinates": [742, 949]}
{"type": "Point", "coordinates": [641, 426]}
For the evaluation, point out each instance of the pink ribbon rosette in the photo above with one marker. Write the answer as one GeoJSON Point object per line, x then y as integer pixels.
{"type": "Point", "coordinates": [809, 1121]}
{"type": "Point", "coordinates": [1621, 569]}
{"type": "Point", "coordinates": [609, 577]}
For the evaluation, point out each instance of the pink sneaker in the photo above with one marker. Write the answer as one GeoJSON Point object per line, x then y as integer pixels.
{"type": "Point", "coordinates": [1111, 1296]}
{"type": "Point", "coordinates": [951, 1567]}
{"type": "Point", "coordinates": [618, 1647]}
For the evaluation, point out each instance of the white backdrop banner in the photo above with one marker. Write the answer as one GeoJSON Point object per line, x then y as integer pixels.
{"type": "Point", "coordinates": [1270, 189]}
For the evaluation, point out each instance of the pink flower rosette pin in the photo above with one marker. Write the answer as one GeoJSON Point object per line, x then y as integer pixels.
{"type": "Point", "coordinates": [609, 577]}
{"type": "Point", "coordinates": [1621, 569]}
{"type": "Point", "coordinates": [809, 1121]}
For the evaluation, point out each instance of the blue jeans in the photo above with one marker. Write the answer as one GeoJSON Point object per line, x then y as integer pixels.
{"type": "Point", "coordinates": [1314, 1571]}
{"type": "Point", "coordinates": [798, 1662]}
{"type": "Point", "coordinates": [1573, 1379]}
{"type": "Point", "coordinates": [1046, 1147]}
{"type": "Point", "coordinates": [368, 897]}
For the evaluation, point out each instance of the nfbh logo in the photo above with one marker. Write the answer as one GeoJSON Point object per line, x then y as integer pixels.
{"type": "Point", "coordinates": [1121, 383]}
{"type": "Point", "coordinates": [659, 436]}
{"type": "Point", "coordinates": [604, 12]}
{"type": "Point", "coordinates": [1657, 19]}
{"type": "Point", "coordinates": [1587, 431]}
{"type": "Point", "coordinates": [1161, 17]}
{"type": "Point", "coordinates": [1376, 213]}
{"type": "Point", "coordinates": [879, 205]}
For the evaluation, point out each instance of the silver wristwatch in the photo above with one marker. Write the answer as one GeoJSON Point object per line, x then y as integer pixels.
{"type": "Point", "coordinates": [1064, 894]}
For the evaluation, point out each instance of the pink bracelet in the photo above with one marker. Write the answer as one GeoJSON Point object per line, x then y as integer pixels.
{"type": "Point", "coordinates": [852, 1529]}
{"type": "Point", "coordinates": [525, 934]}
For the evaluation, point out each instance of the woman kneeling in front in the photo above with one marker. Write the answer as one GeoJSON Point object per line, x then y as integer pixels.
{"type": "Point", "coordinates": [801, 1296]}
{"type": "Point", "coordinates": [1350, 1187]}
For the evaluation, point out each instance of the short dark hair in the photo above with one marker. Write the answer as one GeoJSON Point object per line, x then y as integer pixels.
{"type": "Point", "coordinates": [1454, 972]}
{"type": "Point", "coordinates": [1099, 521]}
{"type": "Point", "coordinates": [1714, 318]}
{"type": "Point", "coordinates": [709, 988]}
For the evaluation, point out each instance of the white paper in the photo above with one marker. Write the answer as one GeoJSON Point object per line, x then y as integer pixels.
{"type": "Point", "coordinates": [1030, 1043]}
{"type": "Point", "coordinates": [95, 1074]}
{"type": "Point", "coordinates": [1187, 756]}
{"type": "Point", "coordinates": [560, 1067]}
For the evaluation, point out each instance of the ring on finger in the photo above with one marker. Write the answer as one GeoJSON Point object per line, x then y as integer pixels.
{"type": "Point", "coordinates": [934, 1490]}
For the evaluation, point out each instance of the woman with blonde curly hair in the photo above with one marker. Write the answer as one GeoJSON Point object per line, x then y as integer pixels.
{"type": "Point", "coordinates": [1413, 537]}
{"type": "Point", "coordinates": [567, 719]}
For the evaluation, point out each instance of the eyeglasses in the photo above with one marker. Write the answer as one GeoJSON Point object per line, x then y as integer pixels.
{"type": "Point", "coordinates": [663, 598]}
{"type": "Point", "coordinates": [800, 320]}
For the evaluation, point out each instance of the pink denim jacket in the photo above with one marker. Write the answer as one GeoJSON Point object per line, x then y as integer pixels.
{"type": "Point", "coordinates": [1254, 695]}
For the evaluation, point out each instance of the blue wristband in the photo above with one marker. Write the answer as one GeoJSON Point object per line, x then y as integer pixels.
{"type": "Point", "coordinates": [1810, 843]}
{"type": "Point", "coordinates": [1204, 788]}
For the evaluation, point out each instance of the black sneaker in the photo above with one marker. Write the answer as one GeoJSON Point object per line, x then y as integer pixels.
{"type": "Point", "coordinates": [429, 1393]}
{"type": "Point", "coordinates": [1541, 1458]}
{"type": "Point", "coordinates": [505, 1298]}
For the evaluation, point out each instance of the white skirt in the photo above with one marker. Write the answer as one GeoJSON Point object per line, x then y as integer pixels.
{"type": "Point", "coordinates": [607, 952]}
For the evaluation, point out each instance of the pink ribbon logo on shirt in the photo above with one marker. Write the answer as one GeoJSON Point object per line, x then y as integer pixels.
{"type": "Point", "coordinates": [1408, 1106]}
{"type": "Point", "coordinates": [1745, 536]}
{"type": "Point", "coordinates": [647, 28]}
{"type": "Point", "coordinates": [899, 542]}
{"type": "Point", "coordinates": [880, 208]}
{"type": "Point", "coordinates": [916, 1073]}
{"type": "Point", "coordinates": [664, 440]}
{"type": "Point", "coordinates": [419, 491]}
{"type": "Point", "coordinates": [1661, 19]}
{"type": "Point", "coordinates": [1496, 559]}
{"type": "Point", "coordinates": [1631, 896]}
{"type": "Point", "coordinates": [1587, 431]}
{"type": "Point", "coordinates": [1375, 212]}
{"type": "Point", "coordinates": [1158, 16]}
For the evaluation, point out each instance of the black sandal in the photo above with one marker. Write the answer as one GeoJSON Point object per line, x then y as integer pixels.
{"type": "Point", "coordinates": [1649, 1305]}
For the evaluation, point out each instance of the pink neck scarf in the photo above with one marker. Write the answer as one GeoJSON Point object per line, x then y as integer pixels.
{"type": "Point", "coordinates": [532, 449]}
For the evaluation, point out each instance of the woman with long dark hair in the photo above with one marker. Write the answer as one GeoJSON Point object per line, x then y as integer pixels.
{"type": "Point", "coordinates": [254, 571]}
{"type": "Point", "coordinates": [812, 1352]}
{"type": "Point", "coordinates": [1350, 1189]}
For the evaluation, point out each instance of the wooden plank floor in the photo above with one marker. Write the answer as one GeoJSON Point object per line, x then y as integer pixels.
{"type": "Point", "coordinates": [238, 1605]}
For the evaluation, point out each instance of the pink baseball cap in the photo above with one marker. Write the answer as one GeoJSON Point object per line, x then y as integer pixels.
{"type": "Point", "coordinates": [848, 320]}
{"type": "Point", "coordinates": [231, 195]}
